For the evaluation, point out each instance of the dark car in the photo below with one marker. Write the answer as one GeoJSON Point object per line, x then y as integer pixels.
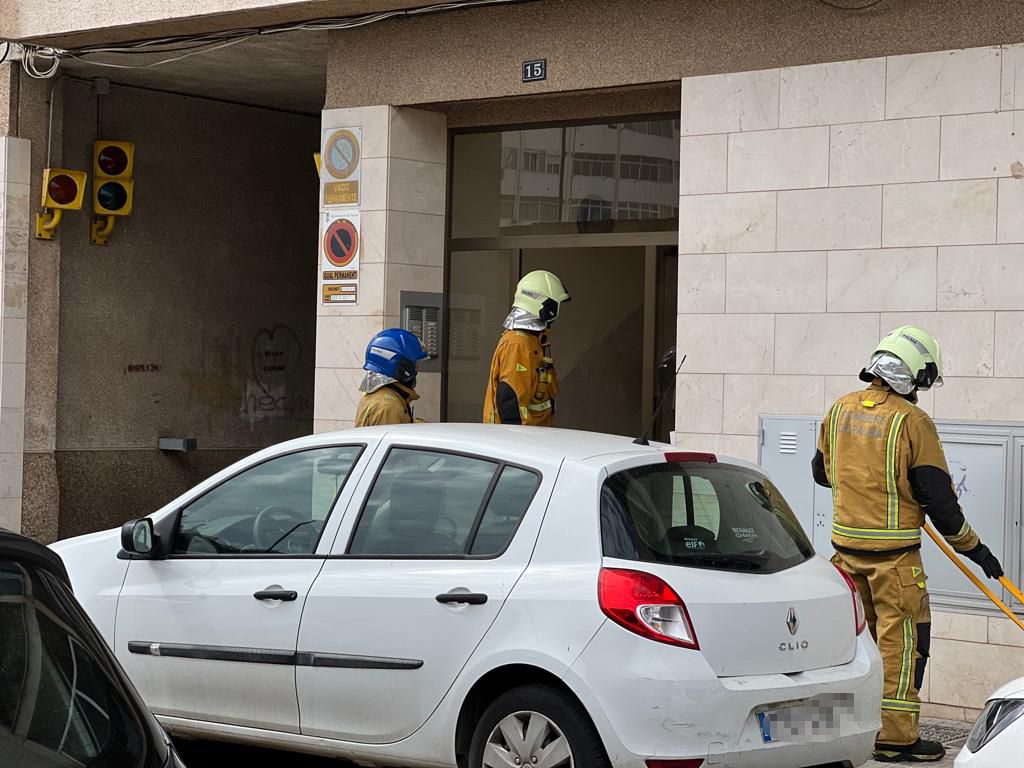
{"type": "Point", "coordinates": [64, 700]}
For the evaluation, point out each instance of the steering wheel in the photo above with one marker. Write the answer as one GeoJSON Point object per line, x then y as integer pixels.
{"type": "Point", "coordinates": [273, 522]}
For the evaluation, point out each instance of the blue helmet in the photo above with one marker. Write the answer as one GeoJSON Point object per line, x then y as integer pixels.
{"type": "Point", "coordinates": [394, 353]}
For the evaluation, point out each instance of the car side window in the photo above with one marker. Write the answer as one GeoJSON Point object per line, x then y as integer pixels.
{"type": "Point", "coordinates": [60, 701]}
{"type": "Point", "coordinates": [505, 509]}
{"type": "Point", "coordinates": [434, 504]}
{"type": "Point", "coordinates": [277, 507]}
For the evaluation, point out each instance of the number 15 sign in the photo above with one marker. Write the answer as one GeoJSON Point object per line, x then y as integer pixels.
{"type": "Point", "coordinates": [535, 70]}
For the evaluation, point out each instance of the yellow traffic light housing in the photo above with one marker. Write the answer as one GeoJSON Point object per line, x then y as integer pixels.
{"type": "Point", "coordinates": [113, 189]}
{"type": "Point", "coordinates": [63, 190]}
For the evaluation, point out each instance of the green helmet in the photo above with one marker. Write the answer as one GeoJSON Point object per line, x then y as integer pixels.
{"type": "Point", "coordinates": [540, 293]}
{"type": "Point", "coordinates": [919, 350]}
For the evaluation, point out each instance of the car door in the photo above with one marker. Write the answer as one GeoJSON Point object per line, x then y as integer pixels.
{"type": "Point", "coordinates": [209, 632]}
{"type": "Point", "coordinates": [431, 546]}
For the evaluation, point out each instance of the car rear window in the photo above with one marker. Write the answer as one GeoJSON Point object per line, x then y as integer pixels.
{"type": "Point", "coordinates": [701, 515]}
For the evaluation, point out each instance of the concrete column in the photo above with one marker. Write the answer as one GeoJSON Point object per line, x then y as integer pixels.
{"type": "Point", "coordinates": [403, 178]}
{"type": "Point", "coordinates": [15, 173]}
{"type": "Point", "coordinates": [14, 215]}
{"type": "Point", "coordinates": [41, 493]}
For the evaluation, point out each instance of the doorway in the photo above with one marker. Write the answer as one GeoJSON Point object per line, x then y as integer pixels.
{"type": "Point", "coordinates": [597, 204]}
{"type": "Point", "coordinates": [609, 342]}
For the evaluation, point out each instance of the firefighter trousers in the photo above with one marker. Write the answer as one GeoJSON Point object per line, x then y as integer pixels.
{"type": "Point", "coordinates": [898, 615]}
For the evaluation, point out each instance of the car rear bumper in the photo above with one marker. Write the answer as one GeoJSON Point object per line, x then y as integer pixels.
{"type": "Point", "coordinates": [651, 700]}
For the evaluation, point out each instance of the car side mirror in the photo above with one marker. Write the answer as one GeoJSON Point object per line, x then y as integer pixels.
{"type": "Point", "coordinates": [138, 537]}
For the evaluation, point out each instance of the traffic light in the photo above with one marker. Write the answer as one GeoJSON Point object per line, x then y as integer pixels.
{"type": "Point", "coordinates": [112, 187]}
{"type": "Point", "coordinates": [63, 190]}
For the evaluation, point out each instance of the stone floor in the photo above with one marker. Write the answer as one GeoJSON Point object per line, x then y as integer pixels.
{"type": "Point", "coordinates": [952, 734]}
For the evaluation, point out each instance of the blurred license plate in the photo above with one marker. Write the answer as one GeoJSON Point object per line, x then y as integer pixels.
{"type": "Point", "coordinates": [807, 720]}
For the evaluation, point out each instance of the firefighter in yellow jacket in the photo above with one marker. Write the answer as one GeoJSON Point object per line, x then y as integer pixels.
{"type": "Point", "coordinates": [522, 384]}
{"type": "Point", "coordinates": [389, 386]}
{"type": "Point", "coordinates": [882, 458]}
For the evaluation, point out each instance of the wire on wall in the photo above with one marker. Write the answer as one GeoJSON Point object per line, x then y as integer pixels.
{"type": "Point", "coordinates": [42, 62]}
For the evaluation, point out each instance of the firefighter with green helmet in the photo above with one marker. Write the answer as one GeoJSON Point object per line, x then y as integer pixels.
{"type": "Point", "coordinates": [522, 384]}
{"type": "Point", "coordinates": [882, 458]}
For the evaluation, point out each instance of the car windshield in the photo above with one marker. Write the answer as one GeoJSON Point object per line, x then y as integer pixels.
{"type": "Point", "coordinates": [702, 515]}
{"type": "Point", "coordinates": [63, 700]}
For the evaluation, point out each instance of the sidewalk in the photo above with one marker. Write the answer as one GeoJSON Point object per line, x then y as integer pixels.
{"type": "Point", "coordinates": [952, 734]}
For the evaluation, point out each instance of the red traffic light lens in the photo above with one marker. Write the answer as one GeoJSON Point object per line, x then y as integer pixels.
{"type": "Point", "coordinates": [62, 189]}
{"type": "Point", "coordinates": [112, 160]}
{"type": "Point", "coordinates": [112, 196]}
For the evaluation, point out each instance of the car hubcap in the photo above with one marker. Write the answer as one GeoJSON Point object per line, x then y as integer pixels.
{"type": "Point", "coordinates": [527, 739]}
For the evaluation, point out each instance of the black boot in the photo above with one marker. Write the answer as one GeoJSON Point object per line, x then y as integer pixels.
{"type": "Point", "coordinates": [920, 751]}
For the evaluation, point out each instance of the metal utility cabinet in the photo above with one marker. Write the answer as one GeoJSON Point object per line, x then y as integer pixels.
{"type": "Point", "coordinates": [986, 461]}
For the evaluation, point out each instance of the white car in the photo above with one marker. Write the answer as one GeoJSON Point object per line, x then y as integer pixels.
{"type": "Point", "coordinates": [997, 739]}
{"type": "Point", "coordinates": [477, 595]}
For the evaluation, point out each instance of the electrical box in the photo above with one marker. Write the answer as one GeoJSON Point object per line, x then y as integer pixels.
{"type": "Point", "coordinates": [986, 462]}
{"type": "Point", "coordinates": [421, 315]}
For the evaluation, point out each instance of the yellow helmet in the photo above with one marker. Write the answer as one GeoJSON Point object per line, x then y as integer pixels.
{"type": "Point", "coordinates": [540, 293]}
{"type": "Point", "coordinates": [919, 350]}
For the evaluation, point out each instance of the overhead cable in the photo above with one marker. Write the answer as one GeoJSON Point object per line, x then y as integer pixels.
{"type": "Point", "coordinates": [43, 61]}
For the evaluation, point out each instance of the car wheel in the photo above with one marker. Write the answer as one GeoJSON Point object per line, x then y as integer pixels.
{"type": "Point", "coordinates": [536, 726]}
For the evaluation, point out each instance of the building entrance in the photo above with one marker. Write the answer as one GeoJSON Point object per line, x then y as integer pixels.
{"type": "Point", "coordinates": [609, 342]}
{"type": "Point", "coordinates": [597, 205]}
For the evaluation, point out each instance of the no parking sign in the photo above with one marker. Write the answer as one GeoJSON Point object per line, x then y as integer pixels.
{"type": "Point", "coordinates": [339, 258]}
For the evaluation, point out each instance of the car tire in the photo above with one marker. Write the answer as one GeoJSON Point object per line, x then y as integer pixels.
{"type": "Point", "coordinates": [552, 714]}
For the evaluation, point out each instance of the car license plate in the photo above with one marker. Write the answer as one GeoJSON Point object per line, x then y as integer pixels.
{"type": "Point", "coordinates": [814, 719]}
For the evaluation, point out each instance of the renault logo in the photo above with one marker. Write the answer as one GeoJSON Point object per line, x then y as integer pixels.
{"type": "Point", "coordinates": [792, 622]}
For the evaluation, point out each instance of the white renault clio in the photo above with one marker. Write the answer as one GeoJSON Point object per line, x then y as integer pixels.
{"type": "Point", "coordinates": [471, 595]}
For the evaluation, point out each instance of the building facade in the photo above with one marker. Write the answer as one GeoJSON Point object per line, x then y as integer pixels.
{"type": "Point", "coordinates": [765, 187]}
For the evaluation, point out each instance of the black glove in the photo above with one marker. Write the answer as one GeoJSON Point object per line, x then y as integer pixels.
{"type": "Point", "coordinates": [983, 556]}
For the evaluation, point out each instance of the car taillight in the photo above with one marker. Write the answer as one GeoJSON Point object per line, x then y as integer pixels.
{"type": "Point", "coordinates": [860, 619]}
{"type": "Point", "coordinates": [646, 605]}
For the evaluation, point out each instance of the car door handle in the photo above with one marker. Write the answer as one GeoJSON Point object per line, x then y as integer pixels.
{"type": "Point", "coordinates": [467, 598]}
{"type": "Point", "coordinates": [284, 595]}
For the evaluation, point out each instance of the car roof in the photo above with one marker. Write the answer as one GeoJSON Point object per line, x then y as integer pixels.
{"type": "Point", "coordinates": [544, 442]}
{"type": "Point", "coordinates": [17, 547]}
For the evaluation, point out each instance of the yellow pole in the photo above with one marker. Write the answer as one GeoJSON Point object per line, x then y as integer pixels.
{"type": "Point", "coordinates": [978, 582]}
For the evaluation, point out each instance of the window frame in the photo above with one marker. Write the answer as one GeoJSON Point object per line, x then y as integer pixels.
{"type": "Point", "coordinates": [180, 511]}
{"type": "Point", "coordinates": [481, 510]}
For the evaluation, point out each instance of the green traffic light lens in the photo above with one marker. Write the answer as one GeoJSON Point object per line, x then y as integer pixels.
{"type": "Point", "coordinates": [112, 196]}
{"type": "Point", "coordinates": [62, 189]}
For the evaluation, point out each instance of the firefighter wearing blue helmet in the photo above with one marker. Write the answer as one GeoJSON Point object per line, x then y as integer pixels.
{"type": "Point", "coordinates": [389, 386]}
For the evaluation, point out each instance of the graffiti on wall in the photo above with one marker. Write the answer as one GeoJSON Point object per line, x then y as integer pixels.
{"type": "Point", "coordinates": [276, 359]}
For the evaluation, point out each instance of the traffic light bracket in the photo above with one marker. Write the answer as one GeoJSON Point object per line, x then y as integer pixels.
{"type": "Point", "coordinates": [101, 228]}
{"type": "Point", "coordinates": [47, 223]}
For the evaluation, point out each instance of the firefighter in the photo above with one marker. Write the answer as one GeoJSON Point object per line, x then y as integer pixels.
{"type": "Point", "coordinates": [522, 384]}
{"type": "Point", "coordinates": [389, 386]}
{"type": "Point", "coordinates": [882, 458]}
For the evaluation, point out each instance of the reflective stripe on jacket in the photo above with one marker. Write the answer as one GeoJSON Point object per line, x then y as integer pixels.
{"type": "Point", "coordinates": [522, 383]}
{"type": "Point", "coordinates": [882, 457]}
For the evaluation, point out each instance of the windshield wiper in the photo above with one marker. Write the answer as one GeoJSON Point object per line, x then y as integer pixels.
{"type": "Point", "coordinates": [750, 562]}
